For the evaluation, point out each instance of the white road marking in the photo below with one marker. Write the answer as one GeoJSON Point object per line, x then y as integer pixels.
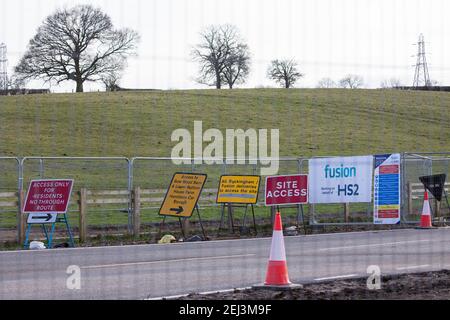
{"type": "Point", "coordinates": [413, 267]}
{"type": "Point", "coordinates": [373, 245]}
{"type": "Point", "coordinates": [337, 277]}
{"type": "Point", "coordinates": [165, 261]}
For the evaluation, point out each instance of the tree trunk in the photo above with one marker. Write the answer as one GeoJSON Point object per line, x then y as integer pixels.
{"type": "Point", "coordinates": [79, 86]}
{"type": "Point", "coordinates": [218, 80]}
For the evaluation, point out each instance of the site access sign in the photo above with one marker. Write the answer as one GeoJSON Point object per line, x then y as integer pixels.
{"type": "Point", "coordinates": [238, 189]}
{"type": "Point", "coordinates": [183, 194]}
{"type": "Point", "coordinates": [48, 196]}
{"type": "Point", "coordinates": [286, 190]}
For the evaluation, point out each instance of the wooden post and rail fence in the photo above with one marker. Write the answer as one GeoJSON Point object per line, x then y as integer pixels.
{"type": "Point", "coordinates": [140, 198]}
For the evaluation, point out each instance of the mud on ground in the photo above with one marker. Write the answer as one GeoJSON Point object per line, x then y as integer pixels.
{"type": "Point", "coordinates": [416, 286]}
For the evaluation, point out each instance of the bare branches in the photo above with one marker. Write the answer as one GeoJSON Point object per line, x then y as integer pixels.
{"type": "Point", "coordinates": [222, 56]}
{"type": "Point", "coordinates": [284, 72]}
{"type": "Point", "coordinates": [351, 81]}
{"type": "Point", "coordinates": [326, 83]}
{"type": "Point", "coordinates": [78, 44]}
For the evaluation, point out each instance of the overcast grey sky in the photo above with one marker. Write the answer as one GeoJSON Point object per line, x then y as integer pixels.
{"type": "Point", "coordinates": [328, 38]}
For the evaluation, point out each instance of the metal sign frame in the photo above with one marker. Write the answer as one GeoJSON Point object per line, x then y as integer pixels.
{"type": "Point", "coordinates": [49, 233]}
{"type": "Point", "coordinates": [195, 208]}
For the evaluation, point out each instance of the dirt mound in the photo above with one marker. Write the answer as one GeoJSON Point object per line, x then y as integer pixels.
{"type": "Point", "coordinates": [425, 285]}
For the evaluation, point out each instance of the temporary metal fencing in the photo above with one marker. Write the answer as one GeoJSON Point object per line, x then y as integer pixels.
{"type": "Point", "coordinates": [154, 175]}
{"type": "Point", "coordinates": [416, 165]}
{"type": "Point", "coordinates": [92, 173]}
{"type": "Point", "coordinates": [9, 180]}
{"type": "Point", "coordinates": [120, 175]}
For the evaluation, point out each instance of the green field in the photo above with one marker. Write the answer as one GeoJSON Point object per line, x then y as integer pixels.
{"type": "Point", "coordinates": [312, 122]}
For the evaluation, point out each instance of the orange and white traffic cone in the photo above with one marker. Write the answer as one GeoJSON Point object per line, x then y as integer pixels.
{"type": "Point", "coordinates": [277, 272]}
{"type": "Point", "coordinates": [425, 219]}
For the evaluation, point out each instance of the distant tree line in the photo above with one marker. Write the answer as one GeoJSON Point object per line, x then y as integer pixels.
{"type": "Point", "coordinates": [80, 44]}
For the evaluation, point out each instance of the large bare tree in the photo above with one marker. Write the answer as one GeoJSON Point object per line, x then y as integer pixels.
{"type": "Point", "coordinates": [237, 65]}
{"type": "Point", "coordinates": [78, 44]}
{"type": "Point", "coordinates": [223, 56]}
{"type": "Point", "coordinates": [284, 72]}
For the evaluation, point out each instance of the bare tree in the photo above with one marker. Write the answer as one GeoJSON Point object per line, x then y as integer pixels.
{"type": "Point", "coordinates": [284, 72]}
{"type": "Point", "coordinates": [351, 81]}
{"type": "Point", "coordinates": [222, 56]}
{"type": "Point", "coordinates": [237, 65]}
{"type": "Point", "coordinates": [434, 83]}
{"type": "Point", "coordinates": [326, 83]}
{"type": "Point", "coordinates": [111, 80]}
{"type": "Point", "coordinates": [78, 44]}
{"type": "Point", "coordinates": [391, 83]}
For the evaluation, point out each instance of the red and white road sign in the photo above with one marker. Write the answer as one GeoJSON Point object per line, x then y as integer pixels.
{"type": "Point", "coordinates": [48, 196]}
{"type": "Point", "coordinates": [283, 190]}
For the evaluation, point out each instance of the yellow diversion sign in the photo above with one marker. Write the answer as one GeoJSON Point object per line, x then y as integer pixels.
{"type": "Point", "coordinates": [238, 189]}
{"type": "Point", "coordinates": [182, 195]}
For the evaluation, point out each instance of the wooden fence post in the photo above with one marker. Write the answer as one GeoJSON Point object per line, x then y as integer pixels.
{"type": "Point", "coordinates": [82, 205]}
{"type": "Point", "coordinates": [21, 218]}
{"type": "Point", "coordinates": [410, 199]}
{"type": "Point", "coordinates": [136, 211]}
{"type": "Point", "coordinates": [437, 210]}
{"type": "Point", "coordinates": [346, 212]}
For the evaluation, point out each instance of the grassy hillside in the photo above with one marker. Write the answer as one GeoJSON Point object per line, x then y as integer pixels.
{"type": "Point", "coordinates": [311, 121]}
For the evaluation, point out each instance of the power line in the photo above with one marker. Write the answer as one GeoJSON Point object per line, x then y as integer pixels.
{"type": "Point", "coordinates": [421, 75]}
{"type": "Point", "coordinates": [3, 67]}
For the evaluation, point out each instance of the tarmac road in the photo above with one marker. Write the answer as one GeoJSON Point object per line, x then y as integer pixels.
{"type": "Point", "coordinates": [149, 271]}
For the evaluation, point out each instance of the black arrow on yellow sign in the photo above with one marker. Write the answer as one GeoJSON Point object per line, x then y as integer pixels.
{"type": "Point", "coordinates": [178, 210]}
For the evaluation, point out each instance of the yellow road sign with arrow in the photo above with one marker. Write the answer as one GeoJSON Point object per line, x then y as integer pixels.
{"type": "Point", "coordinates": [182, 195]}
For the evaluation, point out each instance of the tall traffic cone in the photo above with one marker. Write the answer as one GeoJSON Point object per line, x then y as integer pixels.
{"type": "Point", "coordinates": [277, 272]}
{"type": "Point", "coordinates": [425, 219]}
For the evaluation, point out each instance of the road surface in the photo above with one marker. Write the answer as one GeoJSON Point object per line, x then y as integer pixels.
{"type": "Point", "coordinates": [149, 271]}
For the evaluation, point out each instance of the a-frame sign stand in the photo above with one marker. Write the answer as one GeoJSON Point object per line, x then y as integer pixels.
{"type": "Point", "coordinates": [46, 203]}
{"type": "Point", "coordinates": [237, 191]}
{"type": "Point", "coordinates": [287, 191]}
{"type": "Point", "coordinates": [230, 207]}
{"type": "Point", "coordinates": [182, 221]}
{"type": "Point", "coordinates": [47, 219]}
{"type": "Point", "coordinates": [181, 199]}
{"type": "Point", "coordinates": [300, 212]}
{"type": "Point", "coordinates": [436, 185]}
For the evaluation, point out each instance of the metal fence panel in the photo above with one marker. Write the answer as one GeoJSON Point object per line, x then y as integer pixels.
{"type": "Point", "coordinates": [95, 174]}
{"type": "Point", "coordinates": [337, 214]}
{"type": "Point", "coordinates": [99, 175]}
{"type": "Point", "coordinates": [155, 174]}
{"type": "Point", "coordinates": [416, 165]}
{"type": "Point", "coordinates": [9, 206]}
